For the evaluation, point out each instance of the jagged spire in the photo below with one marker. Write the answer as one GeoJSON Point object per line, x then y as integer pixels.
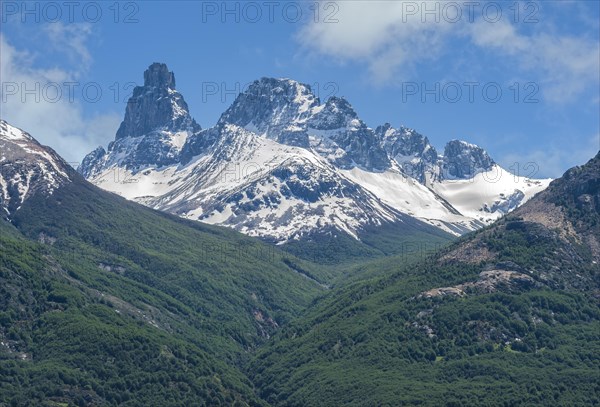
{"type": "Point", "coordinates": [156, 105]}
{"type": "Point", "coordinates": [158, 75]}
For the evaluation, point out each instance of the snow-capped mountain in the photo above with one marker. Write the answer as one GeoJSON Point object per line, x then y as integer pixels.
{"type": "Point", "coordinates": [26, 169]}
{"type": "Point", "coordinates": [279, 164]}
{"type": "Point", "coordinates": [411, 151]}
{"type": "Point", "coordinates": [156, 126]}
{"type": "Point", "coordinates": [463, 160]}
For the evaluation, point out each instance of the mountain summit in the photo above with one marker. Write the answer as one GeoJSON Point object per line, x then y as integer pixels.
{"type": "Point", "coordinates": [26, 169]}
{"type": "Point", "coordinates": [282, 165]}
{"type": "Point", "coordinates": [156, 126]}
{"type": "Point", "coordinates": [276, 108]}
{"type": "Point", "coordinates": [463, 160]}
{"type": "Point", "coordinates": [156, 106]}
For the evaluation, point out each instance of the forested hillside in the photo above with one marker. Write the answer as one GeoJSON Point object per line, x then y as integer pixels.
{"type": "Point", "coordinates": [508, 315]}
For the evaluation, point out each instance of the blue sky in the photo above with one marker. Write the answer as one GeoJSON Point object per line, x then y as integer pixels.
{"type": "Point", "coordinates": [394, 61]}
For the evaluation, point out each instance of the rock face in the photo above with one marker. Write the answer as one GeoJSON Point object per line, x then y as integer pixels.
{"type": "Point", "coordinates": [276, 108]}
{"type": "Point", "coordinates": [27, 168]}
{"type": "Point", "coordinates": [339, 133]}
{"type": "Point", "coordinates": [553, 228]}
{"type": "Point", "coordinates": [577, 194]}
{"type": "Point", "coordinates": [155, 106]}
{"type": "Point", "coordinates": [411, 151]}
{"type": "Point", "coordinates": [156, 125]}
{"type": "Point", "coordinates": [489, 281]}
{"type": "Point", "coordinates": [463, 160]}
{"type": "Point", "coordinates": [288, 112]}
{"type": "Point", "coordinates": [506, 203]}
{"type": "Point", "coordinates": [579, 188]}
{"type": "Point", "coordinates": [279, 164]}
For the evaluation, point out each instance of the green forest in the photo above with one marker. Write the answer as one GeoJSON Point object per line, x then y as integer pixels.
{"type": "Point", "coordinates": [104, 302]}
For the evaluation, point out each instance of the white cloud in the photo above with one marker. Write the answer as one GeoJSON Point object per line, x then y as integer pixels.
{"type": "Point", "coordinates": [379, 32]}
{"type": "Point", "coordinates": [566, 65]}
{"type": "Point", "coordinates": [62, 124]}
{"type": "Point", "coordinates": [394, 42]}
{"type": "Point", "coordinates": [71, 40]}
{"type": "Point", "coordinates": [552, 161]}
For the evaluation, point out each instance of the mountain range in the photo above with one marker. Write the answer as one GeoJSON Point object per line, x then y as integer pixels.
{"type": "Point", "coordinates": [108, 302]}
{"type": "Point", "coordinates": [282, 166]}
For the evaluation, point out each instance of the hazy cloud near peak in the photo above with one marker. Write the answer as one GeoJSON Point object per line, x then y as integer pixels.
{"type": "Point", "coordinates": [60, 124]}
{"type": "Point", "coordinates": [70, 39]}
{"type": "Point", "coordinates": [553, 159]}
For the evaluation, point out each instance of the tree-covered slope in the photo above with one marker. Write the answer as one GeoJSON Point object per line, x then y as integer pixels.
{"type": "Point", "coordinates": [225, 278]}
{"type": "Point", "coordinates": [339, 251]}
{"type": "Point", "coordinates": [107, 302]}
{"type": "Point", "coordinates": [66, 343]}
{"type": "Point", "coordinates": [506, 316]}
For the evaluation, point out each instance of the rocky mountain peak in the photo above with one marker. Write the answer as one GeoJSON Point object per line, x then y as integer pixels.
{"type": "Point", "coordinates": [271, 102]}
{"type": "Point", "coordinates": [336, 113]}
{"type": "Point", "coordinates": [404, 141]}
{"type": "Point", "coordinates": [90, 160]}
{"type": "Point", "coordinates": [464, 160]}
{"type": "Point", "coordinates": [579, 190]}
{"type": "Point", "coordinates": [340, 105]}
{"type": "Point", "coordinates": [382, 130]}
{"type": "Point", "coordinates": [156, 106]}
{"type": "Point", "coordinates": [157, 75]}
{"type": "Point", "coordinates": [27, 168]}
{"type": "Point", "coordinates": [156, 126]}
{"type": "Point", "coordinates": [338, 134]}
{"type": "Point", "coordinates": [276, 108]}
{"type": "Point", "coordinates": [410, 150]}
{"type": "Point", "coordinates": [280, 123]}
